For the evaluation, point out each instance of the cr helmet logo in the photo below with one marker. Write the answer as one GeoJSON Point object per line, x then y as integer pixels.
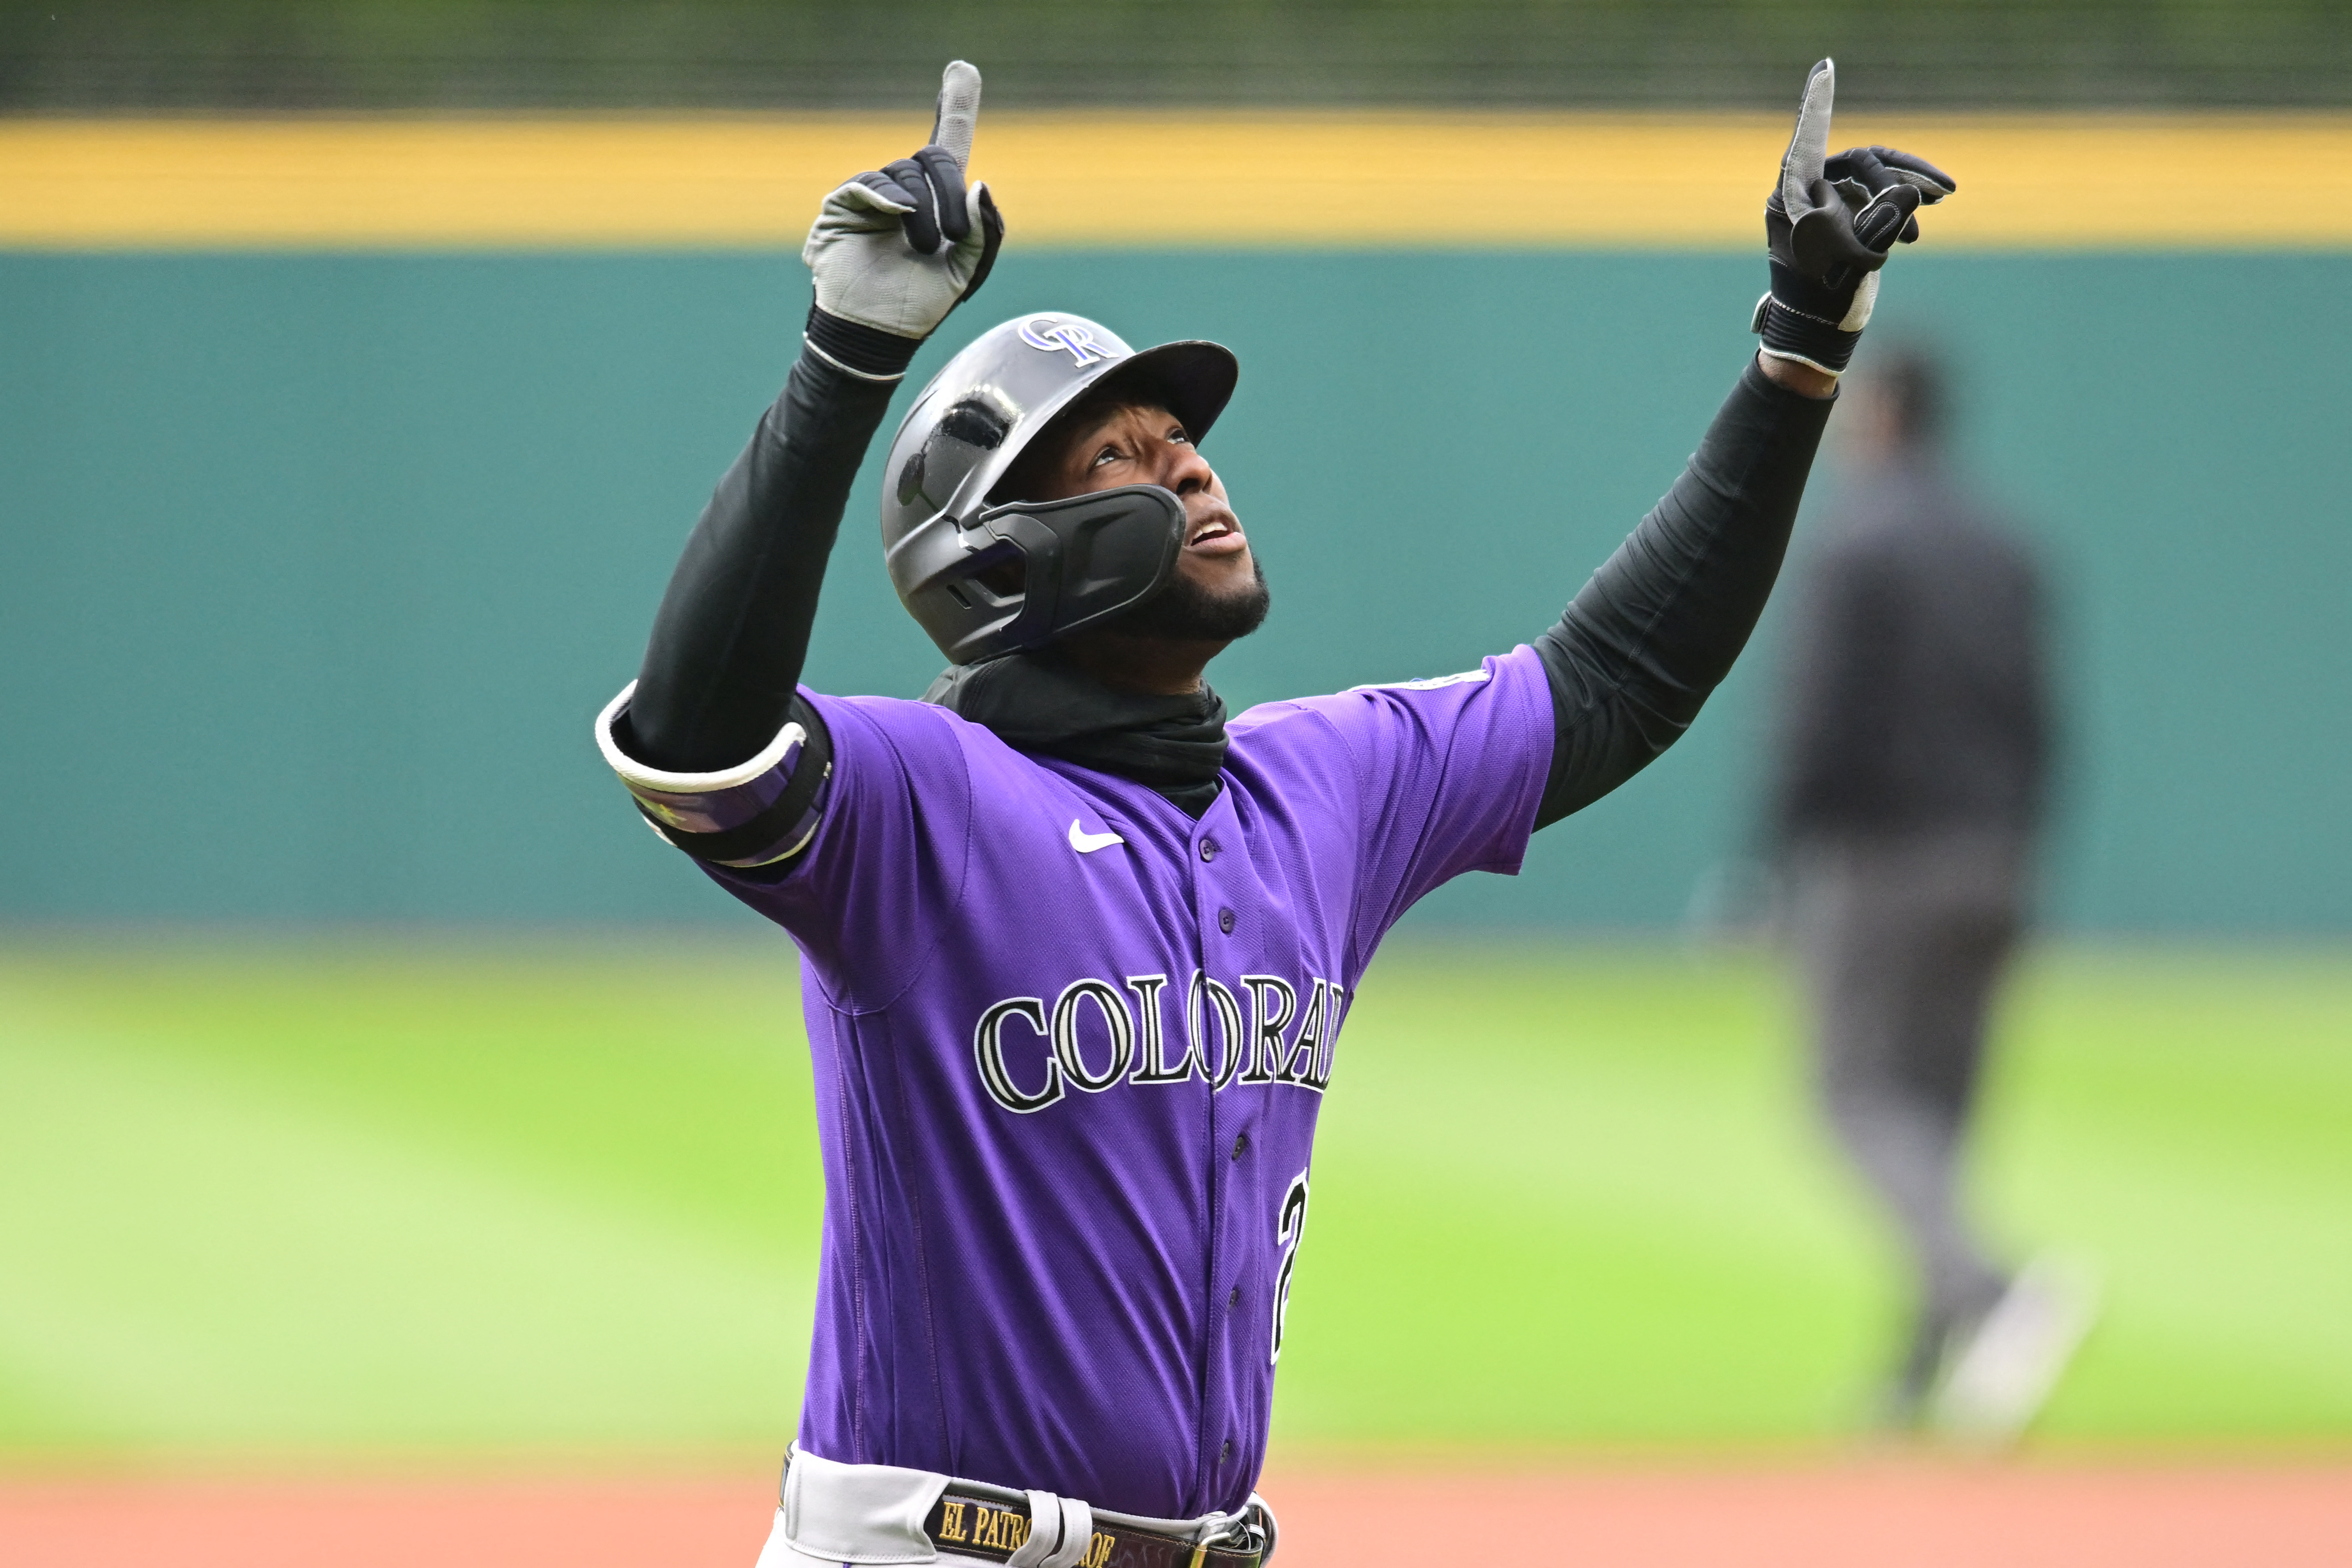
{"type": "Point", "coordinates": [1044, 333]}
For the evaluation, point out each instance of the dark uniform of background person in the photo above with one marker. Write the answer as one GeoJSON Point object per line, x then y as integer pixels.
{"type": "Point", "coordinates": [1913, 768]}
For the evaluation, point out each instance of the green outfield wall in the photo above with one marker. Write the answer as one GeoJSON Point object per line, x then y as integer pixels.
{"type": "Point", "coordinates": [314, 568]}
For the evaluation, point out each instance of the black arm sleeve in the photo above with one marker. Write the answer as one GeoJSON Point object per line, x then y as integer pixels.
{"type": "Point", "coordinates": [733, 630]}
{"type": "Point", "coordinates": [1659, 624]}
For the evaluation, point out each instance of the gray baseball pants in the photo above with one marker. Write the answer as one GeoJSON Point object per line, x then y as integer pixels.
{"type": "Point", "coordinates": [1904, 941]}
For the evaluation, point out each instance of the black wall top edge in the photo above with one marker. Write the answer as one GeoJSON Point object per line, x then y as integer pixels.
{"type": "Point", "coordinates": [61, 55]}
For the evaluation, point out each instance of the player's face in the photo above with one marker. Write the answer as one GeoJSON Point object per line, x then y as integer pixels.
{"type": "Point", "coordinates": [1147, 446]}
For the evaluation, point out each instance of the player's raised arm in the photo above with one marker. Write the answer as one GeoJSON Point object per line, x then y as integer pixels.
{"type": "Point", "coordinates": [893, 250]}
{"type": "Point", "coordinates": [1660, 624]}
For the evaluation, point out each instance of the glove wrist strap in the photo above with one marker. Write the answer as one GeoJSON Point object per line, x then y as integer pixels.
{"type": "Point", "coordinates": [867, 353]}
{"type": "Point", "coordinates": [1791, 334]}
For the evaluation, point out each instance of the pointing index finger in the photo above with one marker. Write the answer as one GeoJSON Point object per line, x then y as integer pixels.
{"type": "Point", "coordinates": [959, 111]}
{"type": "Point", "coordinates": [1809, 147]}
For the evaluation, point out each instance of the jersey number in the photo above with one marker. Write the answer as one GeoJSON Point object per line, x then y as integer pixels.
{"type": "Point", "coordinates": [1288, 1226]}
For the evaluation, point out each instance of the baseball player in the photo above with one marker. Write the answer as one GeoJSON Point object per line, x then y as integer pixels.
{"type": "Point", "coordinates": [1078, 947]}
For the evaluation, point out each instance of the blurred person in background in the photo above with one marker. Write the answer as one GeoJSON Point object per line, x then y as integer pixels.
{"type": "Point", "coordinates": [1914, 766]}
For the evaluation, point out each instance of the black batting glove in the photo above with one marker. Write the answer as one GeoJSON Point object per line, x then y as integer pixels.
{"type": "Point", "coordinates": [1828, 226]}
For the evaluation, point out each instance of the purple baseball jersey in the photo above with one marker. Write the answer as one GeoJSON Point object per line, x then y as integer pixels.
{"type": "Point", "coordinates": [1069, 1048]}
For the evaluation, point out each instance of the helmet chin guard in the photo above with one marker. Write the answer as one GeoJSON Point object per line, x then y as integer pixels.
{"type": "Point", "coordinates": [984, 579]}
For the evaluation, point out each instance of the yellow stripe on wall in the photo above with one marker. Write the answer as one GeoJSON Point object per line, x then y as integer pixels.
{"type": "Point", "coordinates": [2233, 182]}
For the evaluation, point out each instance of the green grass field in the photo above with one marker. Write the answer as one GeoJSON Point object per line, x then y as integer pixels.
{"type": "Point", "coordinates": [489, 1197]}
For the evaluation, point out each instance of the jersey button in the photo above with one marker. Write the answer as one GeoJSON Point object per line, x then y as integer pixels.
{"type": "Point", "coordinates": [1235, 1300]}
{"type": "Point", "coordinates": [1241, 1145]}
{"type": "Point", "coordinates": [1226, 1452]}
{"type": "Point", "coordinates": [1225, 921]}
{"type": "Point", "coordinates": [1208, 849]}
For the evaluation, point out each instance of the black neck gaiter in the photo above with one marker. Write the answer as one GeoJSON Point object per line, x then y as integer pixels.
{"type": "Point", "coordinates": [1041, 703]}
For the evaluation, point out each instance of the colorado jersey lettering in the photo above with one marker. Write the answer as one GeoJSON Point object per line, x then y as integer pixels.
{"type": "Point", "coordinates": [1132, 1028]}
{"type": "Point", "coordinates": [1058, 1091]}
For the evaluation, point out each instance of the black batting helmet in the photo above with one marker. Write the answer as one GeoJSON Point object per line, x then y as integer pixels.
{"type": "Point", "coordinates": [1079, 560]}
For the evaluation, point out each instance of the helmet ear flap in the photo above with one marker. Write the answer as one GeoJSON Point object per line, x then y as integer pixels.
{"type": "Point", "coordinates": [1088, 557]}
{"type": "Point", "coordinates": [1040, 569]}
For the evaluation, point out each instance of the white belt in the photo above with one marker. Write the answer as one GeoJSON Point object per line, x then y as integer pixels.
{"type": "Point", "coordinates": [837, 1513]}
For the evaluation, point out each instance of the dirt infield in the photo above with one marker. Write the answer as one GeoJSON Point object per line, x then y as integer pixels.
{"type": "Point", "coordinates": [1911, 1515]}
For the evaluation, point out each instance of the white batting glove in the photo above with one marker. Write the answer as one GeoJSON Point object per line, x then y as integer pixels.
{"type": "Point", "coordinates": [895, 249]}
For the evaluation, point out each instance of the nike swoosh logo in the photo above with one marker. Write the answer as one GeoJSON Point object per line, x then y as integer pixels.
{"type": "Point", "coordinates": [1087, 843]}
